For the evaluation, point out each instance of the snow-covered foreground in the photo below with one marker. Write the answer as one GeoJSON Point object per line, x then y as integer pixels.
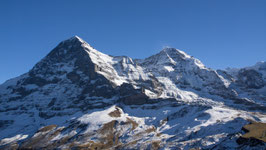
{"type": "Point", "coordinates": [166, 125]}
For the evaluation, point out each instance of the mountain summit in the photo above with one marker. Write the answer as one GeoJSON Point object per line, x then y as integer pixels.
{"type": "Point", "coordinates": [77, 97]}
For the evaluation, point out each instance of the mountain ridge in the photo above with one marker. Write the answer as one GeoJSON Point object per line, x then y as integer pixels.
{"type": "Point", "coordinates": [75, 80]}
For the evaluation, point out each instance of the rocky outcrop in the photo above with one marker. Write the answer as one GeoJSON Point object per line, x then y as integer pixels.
{"type": "Point", "coordinates": [131, 96]}
{"type": "Point", "coordinates": [255, 134]}
{"type": "Point", "coordinates": [250, 78]}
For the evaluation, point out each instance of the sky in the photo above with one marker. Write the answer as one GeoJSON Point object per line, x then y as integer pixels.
{"type": "Point", "coordinates": [220, 33]}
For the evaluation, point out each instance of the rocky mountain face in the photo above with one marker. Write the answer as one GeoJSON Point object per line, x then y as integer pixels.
{"type": "Point", "coordinates": [79, 98]}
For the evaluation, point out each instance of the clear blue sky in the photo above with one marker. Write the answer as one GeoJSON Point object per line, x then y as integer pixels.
{"type": "Point", "coordinates": [220, 33]}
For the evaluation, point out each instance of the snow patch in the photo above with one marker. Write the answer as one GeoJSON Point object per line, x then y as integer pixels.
{"type": "Point", "coordinates": [13, 139]}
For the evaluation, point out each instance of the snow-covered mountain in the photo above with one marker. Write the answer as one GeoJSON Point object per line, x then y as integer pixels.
{"type": "Point", "coordinates": [78, 97]}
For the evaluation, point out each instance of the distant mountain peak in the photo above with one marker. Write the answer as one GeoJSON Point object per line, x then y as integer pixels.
{"type": "Point", "coordinates": [75, 38]}
{"type": "Point", "coordinates": [175, 57]}
{"type": "Point", "coordinates": [261, 64]}
{"type": "Point", "coordinates": [173, 52]}
{"type": "Point", "coordinates": [75, 42]}
{"type": "Point", "coordinates": [72, 53]}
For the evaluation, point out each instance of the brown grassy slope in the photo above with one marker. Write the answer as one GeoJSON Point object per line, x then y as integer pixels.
{"type": "Point", "coordinates": [255, 130]}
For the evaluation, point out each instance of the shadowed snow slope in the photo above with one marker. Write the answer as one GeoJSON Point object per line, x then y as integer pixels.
{"type": "Point", "coordinates": [77, 97]}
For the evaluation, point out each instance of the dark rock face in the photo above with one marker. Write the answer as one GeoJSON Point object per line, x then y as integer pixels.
{"type": "Point", "coordinates": [250, 79]}
{"type": "Point", "coordinates": [33, 79]}
{"type": "Point", "coordinates": [5, 123]}
{"type": "Point", "coordinates": [73, 57]}
{"type": "Point", "coordinates": [131, 96]}
{"type": "Point", "coordinates": [225, 75]}
{"type": "Point", "coordinates": [74, 77]}
{"type": "Point", "coordinates": [68, 52]}
{"type": "Point", "coordinates": [127, 89]}
{"type": "Point", "coordinates": [136, 99]}
{"type": "Point", "coordinates": [52, 102]}
{"type": "Point", "coordinates": [249, 141]}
